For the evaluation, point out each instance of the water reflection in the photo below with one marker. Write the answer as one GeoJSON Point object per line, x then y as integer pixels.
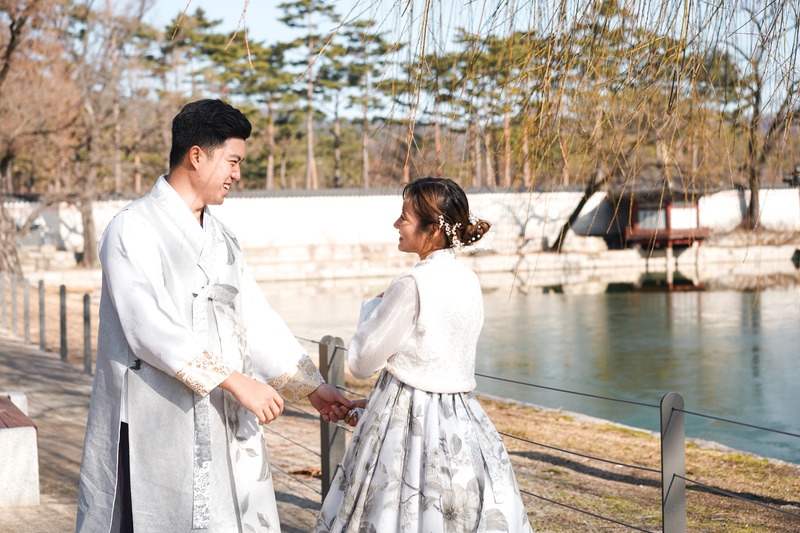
{"type": "Point", "coordinates": [729, 354]}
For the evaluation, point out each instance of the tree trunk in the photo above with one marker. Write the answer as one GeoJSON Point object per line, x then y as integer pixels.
{"type": "Point", "coordinates": [9, 257]}
{"type": "Point", "coordinates": [283, 170]}
{"type": "Point", "coordinates": [166, 140]}
{"type": "Point", "coordinates": [85, 206]}
{"type": "Point", "coordinates": [594, 185]}
{"type": "Point", "coordinates": [137, 173]}
{"type": "Point", "coordinates": [526, 159]}
{"type": "Point", "coordinates": [270, 184]}
{"type": "Point", "coordinates": [562, 144]}
{"type": "Point", "coordinates": [752, 215]}
{"type": "Point", "coordinates": [137, 158]}
{"type": "Point", "coordinates": [15, 28]}
{"type": "Point", "coordinates": [490, 175]}
{"type": "Point", "coordinates": [506, 149]}
{"type": "Point", "coordinates": [337, 149]}
{"type": "Point", "coordinates": [5, 174]}
{"type": "Point", "coordinates": [437, 141]}
{"type": "Point", "coordinates": [475, 148]}
{"type": "Point", "coordinates": [487, 141]}
{"type": "Point", "coordinates": [311, 164]}
{"type": "Point", "coordinates": [407, 162]}
{"type": "Point", "coordinates": [364, 151]}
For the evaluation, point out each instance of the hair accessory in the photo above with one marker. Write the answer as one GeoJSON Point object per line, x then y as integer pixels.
{"type": "Point", "coordinates": [452, 232]}
{"type": "Point", "coordinates": [483, 240]}
{"type": "Point", "coordinates": [482, 245]}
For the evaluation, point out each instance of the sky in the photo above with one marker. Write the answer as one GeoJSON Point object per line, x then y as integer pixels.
{"type": "Point", "coordinates": [261, 16]}
{"type": "Point", "coordinates": [263, 24]}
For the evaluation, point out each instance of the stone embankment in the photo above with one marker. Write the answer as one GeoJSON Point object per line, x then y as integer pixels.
{"type": "Point", "coordinates": [341, 234]}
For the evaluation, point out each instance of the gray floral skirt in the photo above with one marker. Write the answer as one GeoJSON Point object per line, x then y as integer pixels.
{"type": "Point", "coordinates": [421, 461]}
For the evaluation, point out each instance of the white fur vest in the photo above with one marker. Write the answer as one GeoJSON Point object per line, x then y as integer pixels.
{"type": "Point", "coordinates": [440, 353]}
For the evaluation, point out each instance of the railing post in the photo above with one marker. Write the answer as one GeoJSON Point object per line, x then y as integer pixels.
{"type": "Point", "coordinates": [3, 298]}
{"type": "Point", "coordinates": [87, 334]}
{"type": "Point", "coordinates": [42, 336]}
{"type": "Point", "coordinates": [673, 464]}
{"type": "Point", "coordinates": [26, 306]}
{"type": "Point", "coordinates": [14, 304]}
{"type": "Point", "coordinates": [332, 441]}
{"type": "Point", "coordinates": [62, 292]}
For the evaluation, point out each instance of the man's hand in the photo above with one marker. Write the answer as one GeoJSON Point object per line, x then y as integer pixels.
{"type": "Point", "coordinates": [258, 398]}
{"type": "Point", "coordinates": [330, 403]}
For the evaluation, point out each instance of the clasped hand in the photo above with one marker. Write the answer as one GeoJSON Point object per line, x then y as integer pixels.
{"type": "Point", "coordinates": [264, 401]}
{"type": "Point", "coordinates": [330, 403]}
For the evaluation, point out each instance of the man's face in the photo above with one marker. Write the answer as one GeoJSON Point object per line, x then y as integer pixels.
{"type": "Point", "coordinates": [218, 171]}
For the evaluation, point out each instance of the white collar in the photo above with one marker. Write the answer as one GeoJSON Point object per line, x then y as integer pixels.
{"type": "Point", "coordinates": [169, 198]}
{"type": "Point", "coordinates": [443, 253]}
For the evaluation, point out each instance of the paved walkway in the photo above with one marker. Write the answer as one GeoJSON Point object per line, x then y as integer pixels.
{"type": "Point", "coordinates": [58, 401]}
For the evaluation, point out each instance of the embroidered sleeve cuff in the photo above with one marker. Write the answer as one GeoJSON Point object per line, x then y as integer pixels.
{"type": "Point", "coordinates": [203, 373]}
{"type": "Point", "coordinates": [300, 382]}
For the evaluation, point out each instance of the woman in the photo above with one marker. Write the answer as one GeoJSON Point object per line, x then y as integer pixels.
{"type": "Point", "coordinates": [424, 455]}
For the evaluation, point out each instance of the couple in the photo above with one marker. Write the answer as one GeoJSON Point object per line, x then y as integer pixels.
{"type": "Point", "coordinates": [191, 361]}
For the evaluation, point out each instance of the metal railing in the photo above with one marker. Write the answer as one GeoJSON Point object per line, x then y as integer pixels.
{"type": "Point", "coordinates": [672, 471]}
{"type": "Point", "coordinates": [672, 444]}
{"type": "Point", "coordinates": [673, 458]}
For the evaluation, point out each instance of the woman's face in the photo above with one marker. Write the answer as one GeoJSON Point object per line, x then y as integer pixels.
{"type": "Point", "coordinates": [413, 238]}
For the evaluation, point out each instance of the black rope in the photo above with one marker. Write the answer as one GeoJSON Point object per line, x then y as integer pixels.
{"type": "Point", "coordinates": [294, 407]}
{"type": "Point", "coordinates": [584, 512]}
{"type": "Point", "coordinates": [738, 423]}
{"type": "Point", "coordinates": [292, 441]}
{"type": "Point", "coordinates": [733, 495]}
{"type": "Point", "coordinates": [273, 465]}
{"type": "Point", "coordinates": [317, 416]}
{"type": "Point", "coordinates": [579, 454]}
{"type": "Point", "coordinates": [312, 341]}
{"type": "Point", "coordinates": [568, 391]}
{"type": "Point", "coordinates": [630, 402]}
{"type": "Point", "coordinates": [345, 389]}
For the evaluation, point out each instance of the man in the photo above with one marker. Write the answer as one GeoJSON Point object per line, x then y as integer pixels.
{"type": "Point", "coordinates": [191, 360]}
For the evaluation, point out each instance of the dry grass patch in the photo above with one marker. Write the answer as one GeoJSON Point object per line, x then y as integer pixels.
{"type": "Point", "coordinates": [628, 494]}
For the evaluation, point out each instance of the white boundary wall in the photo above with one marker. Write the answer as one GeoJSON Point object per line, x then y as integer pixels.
{"type": "Point", "coordinates": [352, 220]}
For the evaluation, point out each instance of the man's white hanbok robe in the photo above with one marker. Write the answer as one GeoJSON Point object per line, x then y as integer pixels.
{"type": "Point", "coordinates": [179, 312]}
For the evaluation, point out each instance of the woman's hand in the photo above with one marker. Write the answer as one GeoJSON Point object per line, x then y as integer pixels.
{"type": "Point", "coordinates": [355, 413]}
{"type": "Point", "coordinates": [330, 403]}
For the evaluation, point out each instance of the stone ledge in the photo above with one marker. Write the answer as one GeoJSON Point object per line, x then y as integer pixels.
{"type": "Point", "coordinates": [19, 456]}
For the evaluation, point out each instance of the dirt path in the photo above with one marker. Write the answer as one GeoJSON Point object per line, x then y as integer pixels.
{"type": "Point", "coordinates": [58, 401]}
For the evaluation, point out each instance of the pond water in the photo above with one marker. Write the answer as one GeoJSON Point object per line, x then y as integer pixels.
{"type": "Point", "coordinates": [731, 355]}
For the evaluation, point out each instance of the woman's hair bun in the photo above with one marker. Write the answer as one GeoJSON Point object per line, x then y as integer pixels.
{"type": "Point", "coordinates": [475, 231]}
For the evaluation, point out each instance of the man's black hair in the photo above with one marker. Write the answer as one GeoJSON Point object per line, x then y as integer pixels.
{"type": "Point", "coordinates": [207, 124]}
